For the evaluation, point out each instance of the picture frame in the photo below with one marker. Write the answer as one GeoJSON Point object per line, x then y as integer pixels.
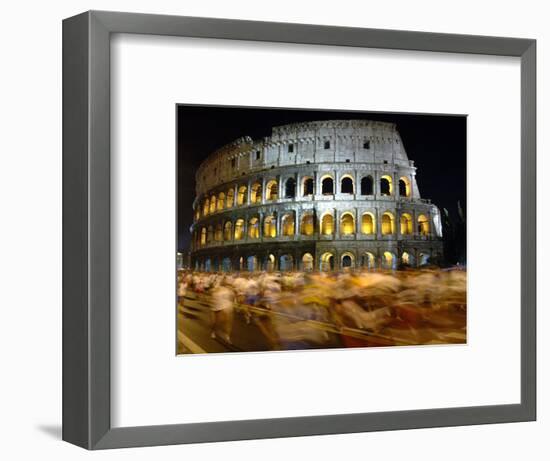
{"type": "Point", "coordinates": [86, 229]}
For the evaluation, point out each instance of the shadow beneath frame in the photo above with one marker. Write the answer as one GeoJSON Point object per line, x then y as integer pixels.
{"type": "Point", "coordinates": [52, 430]}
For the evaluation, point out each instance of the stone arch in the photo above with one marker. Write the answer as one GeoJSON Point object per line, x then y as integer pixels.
{"type": "Point", "coordinates": [369, 260]}
{"type": "Point", "coordinates": [206, 207]}
{"type": "Point", "coordinates": [407, 259]}
{"type": "Point", "coordinates": [272, 191]}
{"type": "Point", "coordinates": [256, 193]}
{"type": "Point", "coordinates": [326, 262]}
{"type": "Point", "coordinates": [404, 187]}
{"type": "Point", "coordinates": [388, 223]}
{"type": "Point", "coordinates": [386, 185]}
{"type": "Point", "coordinates": [327, 185]}
{"type": "Point", "coordinates": [218, 233]}
{"type": "Point", "coordinates": [203, 236]}
{"type": "Point", "coordinates": [327, 224]}
{"type": "Point", "coordinates": [347, 223]}
{"type": "Point", "coordinates": [287, 224]}
{"type": "Point", "coordinates": [368, 223]}
{"type": "Point", "coordinates": [406, 224]}
{"type": "Point", "coordinates": [307, 223]}
{"type": "Point", "coordinates": [239, 229]}
{"type": "Point", "coordinates": [347, 185]}
{"type": "Point", "coordinates": [230, 199]}
{"type": "Point", "coordinates": [307, 262]}
{"type": "Point", "coordinates": [423, 225]}
{"type": "Point", "coordinates": [290, 188]}
{"type": "Point", "coordinates": [254, 227]}
{"type": "Point", "coordinates": [423, 258]}
{"type": "Point", "coordinates": [227, 231]}
{"type": "Point", "coordinates": [286, 263]}
{"type": "Point", "coordinates": [212, 204]}
{"type": "Point", "coordinates": [210, 235]}
{"type": "Point", "coordinates": [252, 263]}
{"type": "Point", "coordinates": [270, 263]}
{"type": "Point", "coordinates": [226, 264]}
{"type": "Point", "coordinates": [270, 226]}
{"type": "Point", "coordinates": [367, 185]}
{"type": "Point", "coordinates": [307, 186]}
{"type": "Point", "coordinates": [389, 261]}
{"type": "Point", "coordinates": [221, 201]}
{"type": "Point", "coordinates": [347, 260]}
{"type": "Point", "coordinates": [242, 197]}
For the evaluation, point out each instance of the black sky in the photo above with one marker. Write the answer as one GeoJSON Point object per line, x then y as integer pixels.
{"type": "Point", "coordinates": [436, 143]}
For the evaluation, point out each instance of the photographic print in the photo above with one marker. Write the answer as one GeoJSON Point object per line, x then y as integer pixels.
{"type": "Point", "coordinates": [314, 229]}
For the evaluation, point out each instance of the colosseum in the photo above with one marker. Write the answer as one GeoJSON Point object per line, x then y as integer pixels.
{"type": "Point", "coordinates": [322, 195]}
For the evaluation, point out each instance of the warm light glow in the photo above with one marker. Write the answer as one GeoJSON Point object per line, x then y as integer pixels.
{"type": "Point", "coordinates": [206, 207]}
{"type": "Point", "coordinates": [203, 236]}
{"type": "Point", "coordinates": [270, 227]}
{"type": "Point", "coordinates": [308, 226]}
{"type": "Point", "coordinates": [369, 260]}
{"type": "Point", "coordinates": [212, 204]}
{"type": "Point", "coordinates": [270, 263]}
{"type": "Point", "coordinates": [307, 262]}
{"type": "Point", "coordinates": [288, 224]}
{"type": "Point", "coordinates": [367, 224]}
{"type": "Point", "coordinates": [256, 193]}
{"type": "Point", "coordinates": [386, 185]}
{"type": "Point", "coordinates": [387, 224]}
{"type": "Point", "coordinates": [406, 258]}
{"type": "Point", "coordinates": [272, 191]}
{"type": "Point", "coordinates": [218, 235]}
{"type": "Point", "coordinates": [254, 228]}
{"type": "Point", "coordinates": [239, 229]}
{"type": "Point", "coordinates": [423, 225]}
{"type": "Point", "coordinates": [347, 224]}
{"type": "Point", "coordinates": [406, 224]}
{"type": "Point", "coordinates": [227, 231]}
{"type": "Point", "coordinates": [241, 196]}
{"type": "Point", "coordinates": [230, 198]}
{"type": "Point", "coordinates": [327, 224]}
{"type": "Point", "coordinates": [388, 260]}
{"type": "Point", "coordinates": [327, 262]}
{"type": "Point", "coordinates": [221, 201]}
{"type": "Point", "coordinates": [404, 187]}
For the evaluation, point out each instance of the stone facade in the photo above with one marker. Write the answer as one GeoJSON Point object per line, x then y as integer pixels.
{"type": "Point", "coordinates": [313, 196]}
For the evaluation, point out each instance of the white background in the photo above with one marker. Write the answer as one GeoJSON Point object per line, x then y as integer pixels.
{"type": "Point", "coordinates": [148, 380]}
{"type": "Point", "coordinates": [30, 146]}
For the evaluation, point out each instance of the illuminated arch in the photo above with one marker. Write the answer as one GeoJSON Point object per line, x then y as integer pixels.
{"type": "Point", "coordinates": [307, 224]}
{"type": "Point", "coordinates": [227, 231]}
{"type": "Point", "coordinates": [218, 233]}
{"type": "Point", "coordinates": [203, 236]}
{"type": "Point", "coordinates": [213, 204]}
{"type": "Point", "coordinates": [254, 228]}
{"type": "Point", "coordinates": [388, 260]}
{"type": "Point", "coordinates": [327, 262]}
{"type": "Point", "coordinates": [388, 223]}
{"type": "Point", "coordinates": [239, 229]}
{"type": "Point", "coordinates": [206, 207]}
{"type": "Point", "coordinates": [256, 193]}
{"type": "Point", "coordinates": [270, 226]}
{"type": "Point", "coordinates": [406, 224]}
{"type": "Point", "coordinates": [327, 185]}
{"type": "Point", "coordinates": [368, 224]}
{"type": "Point", "coordinates": [307, 262]}
{"type": "Point", "coordinates": [327, 224]}
{"type": "Point", "coordinates": [230, 200]}
{"type": "Point", "coordinates": [288, 224]}
{"type": "Point", "coordinates": [386, 185]}
{"type": "Point", "coordinates": [347, 224]}
{"type": "Point", "coordinates": [407, 259]}
{"type": "Point", "coordinates": [270, 263]}
{"type": "Point", "coordinates": [369, 261]}
{"type": "Point", "coordinates": [242, 197]}
{"type": "Point", "coordinates": [346, 185]}
{"type": "Point", "coordinates": [221, 201]}
{"type": "Point", "coordinates": [272, 191]}
{"type": "Point", "coordinates": [404, 187]}
{"type": "Point", "coordinates": [423, 225]}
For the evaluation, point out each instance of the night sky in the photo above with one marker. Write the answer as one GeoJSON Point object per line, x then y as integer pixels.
{"type": "Point", "coordinates": [436, 143]}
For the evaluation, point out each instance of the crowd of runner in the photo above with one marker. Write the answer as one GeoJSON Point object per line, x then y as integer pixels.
{"type": "Point", "coordinates": [349, 309]}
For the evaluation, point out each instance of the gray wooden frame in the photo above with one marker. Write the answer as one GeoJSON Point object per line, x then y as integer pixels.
{"type": "Point", "coordinates": [86, 229]}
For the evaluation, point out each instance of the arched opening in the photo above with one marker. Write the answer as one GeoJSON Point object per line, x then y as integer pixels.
{"type": "Point", "coordinates": [210, 235]}
{"type": "Point", "coordinates": [404, 187]}
{"type": "Point", "coordinates": [270, 227]}
{"type": "Point", "coordinates": [423, 259]}
{"type": "Point", "coordinates": [230, 198]}
{"type": "Point", "coordinates": [254, 228]}
{"type": "Point", "coordinates": [241, 263]}
{"type": "Point", "coordinates": [252, 263]}
{"type": "Point", "coordinates": [272, 191]}
{"type": "Point", "coordinates": [347, 224]}
{"type": "Point", "coordinates": [423, 225]}
{"type": "Point", "coordinates": [218, 234]}
{"type": "Point", "coordinates": [213, 204]}
{"type": "Point", "coordinates": [327, 186]}
{"type": "Point", "coordinates": [327, 262]}
{"type": "Point", "coordinates": [270, 263]}
{"type": "Point", "coordinates": [307, 262]}
{"type": "Point", "coordinates": [239, 229]}
{"type": "Point", "coordinates": [347, 260]}
{"type": "Point", "coordinates": [327, 224]}
{"type": "Point", "coordinates": [386, 185]}
{"type": "Point", "coordinates": [406, 224]}
{"type": "Point", "coordinates": [206, 207]}
{"type": "Point", "coordinates": [368, 260]}
{"type": "Point", "coordinates": [227, 231]}
{"type": "Point", "coordinates": [286, 263]}
{"type": "Point", "coordinates": [388, 260]}
{"type": "Point", "coordinates": [307, 186]}
{"type": "Point", "coordinates": [290, 188]}
{"type": "Point", "coordinates": [307, 225]}
{"type": "Point", "coordinates": [288, 224]}
{"type": "Point", "coordinates": [242, 196]}
{"type": "Point", "coordinates": [221, 201]}
{"type": "Point", "coordinates": [367, 185]}
{"type": "Point", "coordinates": [367, 224]}
{"type": "Point", "coordinates": [388, 226]}
{"type": "Point", "coordinates": [256, 193]}
{"type": "Point", "coordinates": [207, 265]}
{"type": "Point", "coordinates": [346, 185]}
{"type": "Point", "coordinates": [197, 214]}
{"type": "Point", "coordinates": [203, 236]}
{"type": "Point", "coordinates": [226, 265]}
{"type": "Point", "coordinates": [407, 259]}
